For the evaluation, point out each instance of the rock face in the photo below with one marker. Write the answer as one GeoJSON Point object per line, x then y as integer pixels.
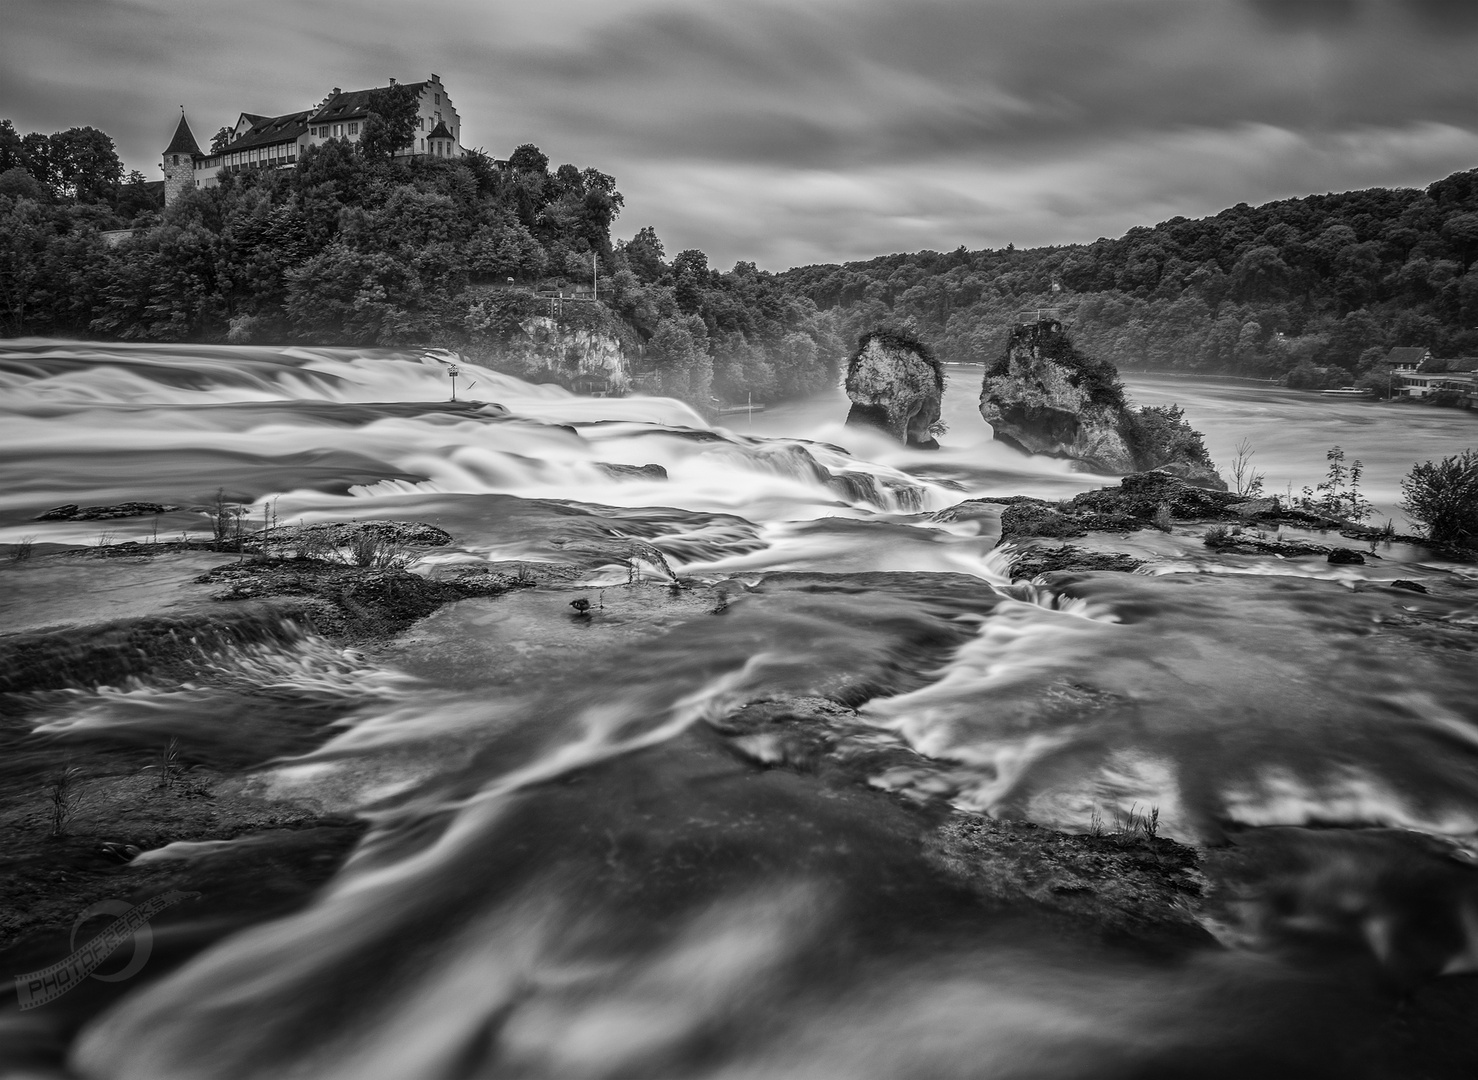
{"type": "Point", "coordinates": [582, 358]}
{"type": "Point", "coordinates": [896, 385]}
{"type": "Point", "coordinates": [1045, 397]}
{"type": "Point", "coordinates": [582, 346]}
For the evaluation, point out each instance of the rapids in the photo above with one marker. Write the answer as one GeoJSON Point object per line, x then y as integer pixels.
{"type": "Point", "coordinates": [570, 871]}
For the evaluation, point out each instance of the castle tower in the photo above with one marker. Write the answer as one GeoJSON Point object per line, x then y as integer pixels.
{"type": "Point", "coordinates": [179, 162]}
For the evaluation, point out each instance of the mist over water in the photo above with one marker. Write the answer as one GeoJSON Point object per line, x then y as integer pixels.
{"type": "Point", "coordinates": [575, 868]}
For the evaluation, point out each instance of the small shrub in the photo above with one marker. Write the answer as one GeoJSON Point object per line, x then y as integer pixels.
{"type": "Point", "coordinates": [20, 551]}
{"type": "Point", "coordinates": [1338, 495]}
{"type": "Point", "coordinates": [171, 766]}
{"type": "Point", "coordinates": [642, 552]}
{"type": "Point", "coordinates": [1159, 435]}
{"type": "Point", "coordinates": [1218, 536]}
{"type": "Point", "coordinates": [1162, 519]}
{"type": "Point", "coordinates": [315, 546]}
{"type": "Point", "coordinates": [62, 795]}
{"type": "Point", "coordinates": [1146, 822]}
{"type": "Point", "coordinates": [377, 553]}
{"type": "Point", "coordinates": [1444, 498]}
{"type": "Point", "coordinates": [225, 518]}
{"type": "Point", "coordinates": [1246, 481]}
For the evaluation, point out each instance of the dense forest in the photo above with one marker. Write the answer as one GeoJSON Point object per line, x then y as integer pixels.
{"type": "Point", "coordinates": [356, 246]}
{"type": "Point", "coordinates": [1315, 289]}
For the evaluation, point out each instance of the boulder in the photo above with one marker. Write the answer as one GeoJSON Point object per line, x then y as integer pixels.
{"type": "Point", "coordinates": [1252, 508]}
{"type": "Point", "coordinates": [896, 385]}
{"type": "Point", "coordinates": [1043, 396]}
{"type": "Point", "coordinates": [617, 471]}
{"type": "Point", "coordinates": [73, 512]}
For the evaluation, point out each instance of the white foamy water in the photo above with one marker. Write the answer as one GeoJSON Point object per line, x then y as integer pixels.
{"type": "Point", "coordinates": [570, 870]}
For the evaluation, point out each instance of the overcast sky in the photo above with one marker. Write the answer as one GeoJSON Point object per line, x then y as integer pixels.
{"type": "Point", "coordinates": [819, 130]}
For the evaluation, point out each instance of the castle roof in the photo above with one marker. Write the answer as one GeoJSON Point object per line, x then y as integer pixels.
{"type": "Point", "coordinates": [353, 104]}
{"type": "Point", "coordinates": [440, 131]}
{"type": "Point", "coordinates": [267, 130]}
{"type": "Point", "coordinates": [183, 141]}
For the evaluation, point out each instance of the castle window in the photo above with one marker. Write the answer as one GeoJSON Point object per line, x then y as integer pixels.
{"type": "Point", "coordinates": [438, 99]}
{"type": "Point", "coordinates": [353, 129]}
{"type": "Point", "coordinates": [423, 146]}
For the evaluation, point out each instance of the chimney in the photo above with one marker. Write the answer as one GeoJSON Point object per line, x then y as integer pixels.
{"type": "Point", "coordinates": [392, 80]}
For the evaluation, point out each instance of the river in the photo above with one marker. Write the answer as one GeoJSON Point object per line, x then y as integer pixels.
{"type": "Point", "coordinates": [579, 863]}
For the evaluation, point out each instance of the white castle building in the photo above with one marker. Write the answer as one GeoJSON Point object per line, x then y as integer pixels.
{"type": "Point", "coordinates": [272, 142]}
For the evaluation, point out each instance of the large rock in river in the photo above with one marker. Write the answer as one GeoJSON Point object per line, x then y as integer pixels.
{"type": "Point", "coordinates": [896, 385]}
{"type": "Point", "coordinates": [1045, 397]}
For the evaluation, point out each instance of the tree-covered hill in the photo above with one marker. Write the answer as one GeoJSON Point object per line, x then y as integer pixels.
{"type": "Point", "coordinates": [1326, 281]}
{"type": "Point", "coordinates": [356, 246]}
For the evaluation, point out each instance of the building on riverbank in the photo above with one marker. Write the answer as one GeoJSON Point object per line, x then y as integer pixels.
{"type": "Point", "coordinates": [275, 142]}
{"type": "Point", "coordinates": [1414, 373]}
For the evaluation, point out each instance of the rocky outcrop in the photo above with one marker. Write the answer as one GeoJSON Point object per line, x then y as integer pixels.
{"type": "Point", "coordinates": [73, 512]}
{"type": "Point", "coordinates": [1045, 397]}
{"type": "Point", "coordinates": [896, 385]}
{"type": "Point", "coordinates": [582, 358]}
{"type": "Point", "coordinates": [580, 345]}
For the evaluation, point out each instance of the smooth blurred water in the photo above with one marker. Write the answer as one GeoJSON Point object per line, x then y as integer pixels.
{"type": "Point", "coordinates": [572, 871]}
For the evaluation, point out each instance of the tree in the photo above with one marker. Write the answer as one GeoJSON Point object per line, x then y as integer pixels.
{"type": "Point", "coordinates": [1444, 498]}
{"type": "Point", "coordinates": [18, 183]}
{"type": "Point", "coordinates": [36, 157]}
{"type": "Point", "coordinates": [221, 139]}
{"type": "Point", "coordinates": [683, 368]}
{"type": "Point", "coordinates": [11, 156]}
{"type": "Point", "coordinates": [528, 158]}
{"type": "Point", "coordinates": [644, 255]}
{"type": "Point", "coordinates": [390, 124]}
{"type": "Point", "coordinates": [134, 197]}
{"type": "Point", "coordinates": [84, 166]}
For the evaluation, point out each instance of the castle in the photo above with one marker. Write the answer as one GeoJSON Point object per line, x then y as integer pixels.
{"type": "Point", "coordinates": [274, 142]}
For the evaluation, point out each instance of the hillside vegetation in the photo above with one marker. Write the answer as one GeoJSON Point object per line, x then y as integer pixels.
{"type": "Point", "coordinates": [353, 246]}
{"type": "Point", "coordinates": [1324, 282]}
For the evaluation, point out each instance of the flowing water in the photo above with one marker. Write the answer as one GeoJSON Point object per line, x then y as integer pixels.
{"type": "Point", "coordinates": [576, 868]}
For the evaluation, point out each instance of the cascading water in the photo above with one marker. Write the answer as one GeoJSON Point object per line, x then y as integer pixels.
{"type": "Point", "coordinates": [580, 862]}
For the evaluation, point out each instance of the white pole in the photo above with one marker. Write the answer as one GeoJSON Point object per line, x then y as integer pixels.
{"type": "Point", "coordinates": [595, 276]}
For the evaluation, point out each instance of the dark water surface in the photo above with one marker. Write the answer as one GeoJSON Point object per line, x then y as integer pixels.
{"type": "Point", "coordinates": [575, 869]}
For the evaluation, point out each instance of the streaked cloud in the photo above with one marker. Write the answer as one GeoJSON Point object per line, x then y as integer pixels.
{"type": "Point", "coordinates": [823, 129]}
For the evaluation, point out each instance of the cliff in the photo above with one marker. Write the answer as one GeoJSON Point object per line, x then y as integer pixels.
{"type": "Point", "coordinates": [580, 345]}
{"type": "Point", "coordinates": [896, 385]}
{"type": "Point", "coordinates": [1043, 396]}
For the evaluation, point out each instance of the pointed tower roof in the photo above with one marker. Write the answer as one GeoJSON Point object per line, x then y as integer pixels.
{"type": "Point", "coordinates": [183, 141]}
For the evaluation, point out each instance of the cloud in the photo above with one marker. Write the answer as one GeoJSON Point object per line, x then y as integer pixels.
{"type": "Point", "coordinates": [787, 131]}
{"type": "Point", "coordinates": [783, 217]}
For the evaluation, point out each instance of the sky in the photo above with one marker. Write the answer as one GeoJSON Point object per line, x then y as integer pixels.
{"type": "Point", "coordinates": [819, 130]}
